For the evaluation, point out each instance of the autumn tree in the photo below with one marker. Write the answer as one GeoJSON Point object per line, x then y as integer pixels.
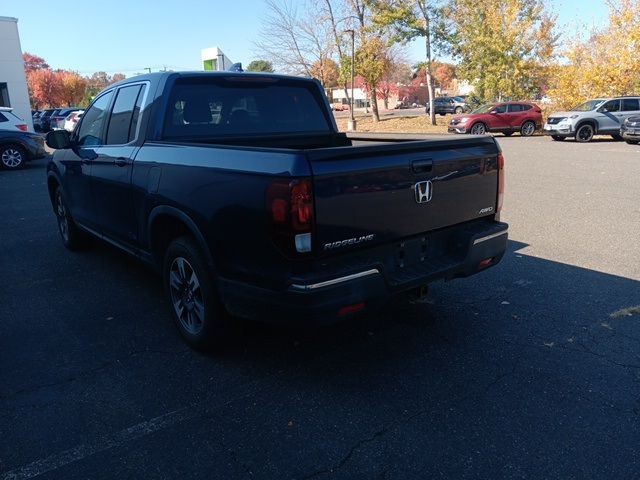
{"type": "Point", "coordinates": [606, 63]}
{"type": "Point", "coordinates": [326, 71]}
{"type": "Point", "coordinates": [409, 19]}
{"type": "Point", "coordinates": [260, 66]}
{"type": "Point", "coordinates": [33, 63]}
{"type": "Point", "coordinates": [501, 46]}
{"type": "Point", "coordinates": [372, 63]}
{"type": "Point", "coordinates": [45, 88]}
{"type": "Point", "coordinates": [73, 88]}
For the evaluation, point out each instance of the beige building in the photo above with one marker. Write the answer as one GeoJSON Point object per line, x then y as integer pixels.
{"type": "Point", "coordinates": [13, 81]}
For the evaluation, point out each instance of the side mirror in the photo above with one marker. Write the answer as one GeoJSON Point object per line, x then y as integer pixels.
{"type": "Point", "coordinates": [58, 139]}
{"type": "Point", "coordinates": [493, 112]}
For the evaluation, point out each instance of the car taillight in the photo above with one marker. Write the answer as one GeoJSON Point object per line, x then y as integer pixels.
{"type": "Point", "coordinates": [290, 207]}
{"type": "Point", "coordinates": [500, 182]}
{"type": "Point", "coordinates": [24, 128]}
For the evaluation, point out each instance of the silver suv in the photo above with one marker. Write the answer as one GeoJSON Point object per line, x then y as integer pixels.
{"type": "Point", "coordinates": [602, 116]}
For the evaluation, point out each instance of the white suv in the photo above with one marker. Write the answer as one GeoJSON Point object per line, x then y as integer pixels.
{"type": "Point", "coordinates": [602, 116]}
{"type": "Point", "coordinates": [10, 121]}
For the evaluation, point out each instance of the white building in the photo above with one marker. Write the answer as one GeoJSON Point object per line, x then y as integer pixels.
{"type": "Point", "coordinates": [360, 99]}
{"type": "Point", "coordinates": [214, 60]}
{"type": "Point", "coordinates": [13, 81]}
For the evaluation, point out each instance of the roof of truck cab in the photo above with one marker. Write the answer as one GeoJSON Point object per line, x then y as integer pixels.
{"type": "Point", "coordinates": [163, 76]}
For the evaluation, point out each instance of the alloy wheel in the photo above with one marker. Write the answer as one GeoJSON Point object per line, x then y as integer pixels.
{"type": "Point", "coordinates": [61, 214]}
{"type": "Point", "coordinates": [11, 158]}
{"type": "Point", "coordinates": [186, 295]}
{"type": "Point", "coordinates": [478, 129]}
{"type": "Point", "coordinates": [584, 133]}
{"type": "Point", "coordinates": [528, 129]}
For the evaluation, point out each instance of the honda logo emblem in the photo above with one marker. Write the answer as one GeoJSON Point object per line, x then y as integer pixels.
{"type": "Point", "coordinates": [424, 191]}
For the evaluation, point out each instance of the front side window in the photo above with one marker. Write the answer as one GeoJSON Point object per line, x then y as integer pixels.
{"type": "Point", "coordinates": [587, 106]}
{"type": "Point", "coordinates": [123, 120]}
{"type": "Point", "coordinates": [611, 106]}
{"type": "Point", "coordinates": [501, 109]}
{"type": "Point", "coordinates": [92, 127]}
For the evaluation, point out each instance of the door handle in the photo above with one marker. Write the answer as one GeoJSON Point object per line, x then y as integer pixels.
{"type": "Point", "coordinates": [422, 165]}
{"type": "Point", "coordinates": [122, 162]}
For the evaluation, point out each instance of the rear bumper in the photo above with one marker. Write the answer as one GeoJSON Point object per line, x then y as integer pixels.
{"type": "Point", "coordinates": [328, 297]}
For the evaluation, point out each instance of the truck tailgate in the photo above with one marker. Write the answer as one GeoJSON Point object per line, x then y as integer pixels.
{"type": "Point", "coordinates": [366, 195]}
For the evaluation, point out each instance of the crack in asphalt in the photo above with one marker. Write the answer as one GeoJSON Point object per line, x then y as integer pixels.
{"type": "Point", "coordinates": [401, 421]}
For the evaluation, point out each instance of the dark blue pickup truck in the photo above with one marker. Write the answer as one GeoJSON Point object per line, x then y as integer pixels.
{"type": "Point", "coordinates": [240, 190]}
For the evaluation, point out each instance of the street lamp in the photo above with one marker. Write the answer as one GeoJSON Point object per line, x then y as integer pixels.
{"type": "Point", "coordinates": [352, 121]}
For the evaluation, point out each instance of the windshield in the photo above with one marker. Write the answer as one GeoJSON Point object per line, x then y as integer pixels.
{"type": "Point", "coordinates": [587, 106]}
{"type": "Point", "coordinates": [485, 108]}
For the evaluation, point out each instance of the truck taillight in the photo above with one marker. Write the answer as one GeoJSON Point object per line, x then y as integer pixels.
{"type": "Point", "coordinates": [290, 206]}
{"type": "Point", "coordinates": [22, 127]}
{"type": "Point", "coordinates": [500, 182]}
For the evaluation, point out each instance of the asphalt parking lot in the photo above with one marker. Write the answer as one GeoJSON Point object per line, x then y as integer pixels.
{"type": "Point", "coordinates": [528, 370]}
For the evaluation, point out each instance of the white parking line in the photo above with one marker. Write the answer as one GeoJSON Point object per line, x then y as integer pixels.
{"type": "Point", "coordinates": [117, 439]}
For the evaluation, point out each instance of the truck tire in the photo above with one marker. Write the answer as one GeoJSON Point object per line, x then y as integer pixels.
{"type": "Point", "coordinates": [458, 110]}
{"type": "Point", "coordinates": [585, 133]}
{"type": "Point", "coordinates": [194, 301]}
{"type": "Point", "coordinates": [72, 237]}
{"type": "Point", "coordinates": [528, 129]}
{"type": "Point", "coordinates": [12, 157]}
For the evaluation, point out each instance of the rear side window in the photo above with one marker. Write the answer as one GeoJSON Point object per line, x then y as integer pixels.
{"type": "Point", "coordinates": [92, 126]}
{"type": "Point", "coordinates": [515, 108]}
{"type": "Point", "coordinates": [630, 104]}
{"type": "Point", "coordinates": [222, 106]}
{"type": "Point", "coordinates": [123, 120]}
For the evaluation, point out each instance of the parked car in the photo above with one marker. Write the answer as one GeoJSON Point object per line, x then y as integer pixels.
{"type": "Point", "coordinates": [264, 209]}
{"type": "Point", "coordinates": [444, 105]}
{"type": "Point", "coordinates": [18, 147]}
{"type": "Point", "coordinates": [37, 118]}
{"type": "Point", "coordinates": [601, 116]}
{"type": "Point", "coordinates": [72, 120]}
{"type": "Point", "coordinates": [45, 119]}
{"type": "Point", "coordinates": [339, 107]}
{"type": "Point", "coordinates": [630, 130]}
{"type": "Point", "coordinates": [506, 118]}
{"type": "Point", "coordinates": [56, 122]}
{"type": "Point", "coordinates": [10, 121]}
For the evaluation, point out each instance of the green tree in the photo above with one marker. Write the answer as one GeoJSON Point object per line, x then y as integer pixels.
{"type": "Point", "coordinates": [372, 63]}
{"type": "Point", "coordinates": [409, 19]}
{"type": "Point", "coordinates": [260, 66]}
{"type": "Point", "coordinates": [503, 47]}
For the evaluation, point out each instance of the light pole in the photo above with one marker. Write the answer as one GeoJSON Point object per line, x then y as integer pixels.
{"type": "Point", "coordinates": [352, 121]}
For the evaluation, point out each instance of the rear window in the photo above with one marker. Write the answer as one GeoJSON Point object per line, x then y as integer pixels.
{"type": "Point", "coordinates": [223, 106]}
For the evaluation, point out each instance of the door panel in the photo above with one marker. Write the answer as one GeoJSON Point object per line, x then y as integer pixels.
{"type": "Point", "coordinates": [111, 192]}
{"type": "Point", "coordinates": [609, 116]}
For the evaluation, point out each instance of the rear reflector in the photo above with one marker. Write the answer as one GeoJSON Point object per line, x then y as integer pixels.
{"type": "Point", "coordinates": [24, 128]}
{"type": "Point", "coordinates": [500, 182]}
{"type": "Point", "coordinates": [485, 263]}
{"type": "Point", "coordinates": [349, 309]}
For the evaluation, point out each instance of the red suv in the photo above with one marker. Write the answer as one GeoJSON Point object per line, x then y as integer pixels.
{"type": "Point", "coordinates": [507, 118]}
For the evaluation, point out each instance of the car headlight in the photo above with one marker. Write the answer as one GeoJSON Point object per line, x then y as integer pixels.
{"type": "Point", "coordinates": [463, 120]}
{"type": "Point", "coordinates": [564, 120]}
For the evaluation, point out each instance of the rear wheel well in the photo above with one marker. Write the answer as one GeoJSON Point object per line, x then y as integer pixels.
{"type": "Point", "coordinates": [163, 230]}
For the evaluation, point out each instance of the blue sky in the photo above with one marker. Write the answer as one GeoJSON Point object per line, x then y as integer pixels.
{"type": "Point", "coordinates": [129, 35]}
